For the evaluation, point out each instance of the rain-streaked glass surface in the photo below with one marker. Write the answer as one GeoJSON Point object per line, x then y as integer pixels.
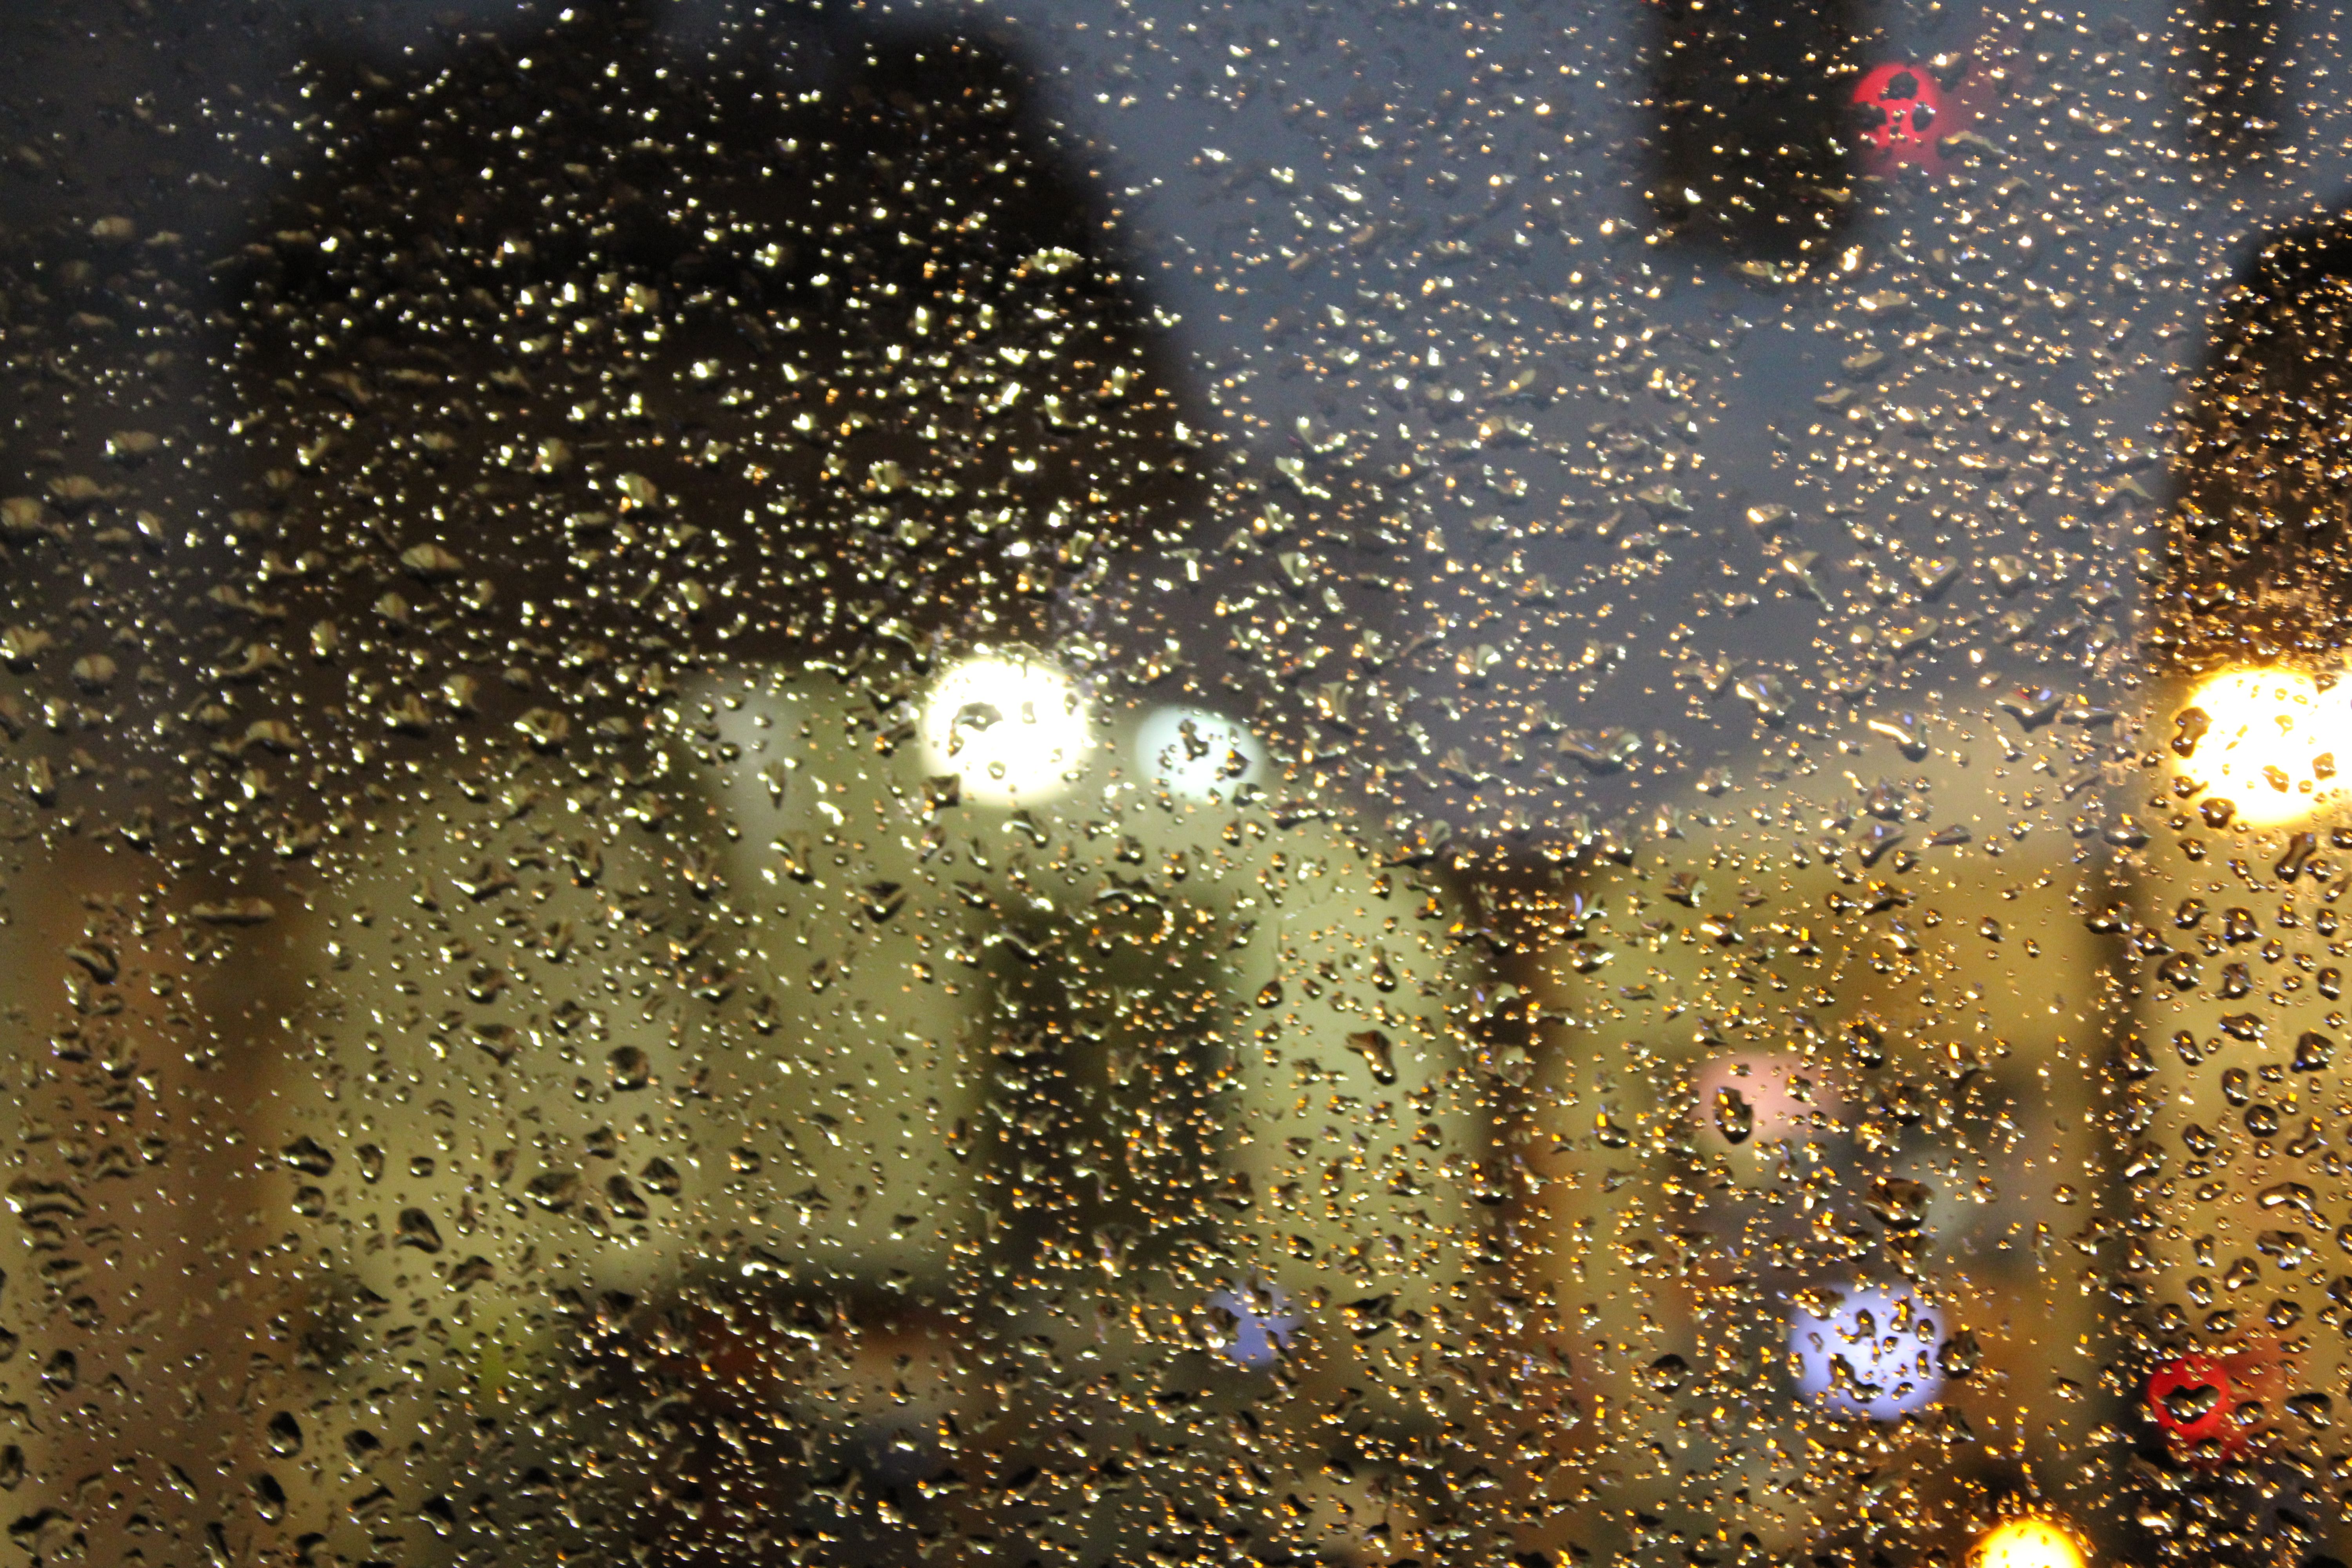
{"type": "Point", "coordinates": [1123, 786]}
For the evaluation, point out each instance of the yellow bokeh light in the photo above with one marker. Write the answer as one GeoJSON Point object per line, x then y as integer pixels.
{"type": "Point", "coordinates": [2273, 744]}
{"type": "Point", "coordinates": [2026, 1543]}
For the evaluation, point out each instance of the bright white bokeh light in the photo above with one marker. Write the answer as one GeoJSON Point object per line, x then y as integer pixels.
{"type": "Point", "coordinates": [1886, 1341]}
{"type": "Point", "coordinates": [2276, 744]}
{"type": "Point", "coordinates": [1196, 753]}
{"type": "Point", "coordinates": [1011, 726]}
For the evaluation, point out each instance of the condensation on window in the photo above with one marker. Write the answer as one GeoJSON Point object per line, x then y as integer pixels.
{"type": "Point", "coordinates": [1163, 785]}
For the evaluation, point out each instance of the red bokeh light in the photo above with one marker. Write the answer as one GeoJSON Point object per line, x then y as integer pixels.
{"type": "Point", "coordinates": [2194, 1400]}
{"type": "Point", "coordinates": [1908, 111]}
{"type": "Point", "coordinates": [1900, 115]}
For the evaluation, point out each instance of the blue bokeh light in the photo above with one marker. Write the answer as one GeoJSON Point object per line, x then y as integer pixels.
{"type": "Point", "coordinates": [1874, 1355]}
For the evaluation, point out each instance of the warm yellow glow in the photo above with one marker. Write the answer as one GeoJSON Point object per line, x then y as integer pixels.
{"type": "Point", "coordinates": [2026, 1543]}
{"type": "Point", "coordinates": [2276, 743]}
{"type": "Point", "coordinates": [1012, 726]}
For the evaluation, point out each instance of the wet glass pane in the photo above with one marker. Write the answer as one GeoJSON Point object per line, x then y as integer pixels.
{"type": "Point", "coordinates": [1175, 784]}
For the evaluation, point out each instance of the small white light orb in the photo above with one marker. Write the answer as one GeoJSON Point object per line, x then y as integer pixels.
{"type": "Point", "coordinates": [1196, 753]}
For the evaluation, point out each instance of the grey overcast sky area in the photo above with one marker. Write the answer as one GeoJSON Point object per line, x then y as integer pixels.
{"type": "Point", "coordinates": [1167, 105]}
{"type": "Point", "coordinates": [1339, 211]}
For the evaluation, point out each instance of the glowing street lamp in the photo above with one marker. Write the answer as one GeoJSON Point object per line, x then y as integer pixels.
{"type": "Point", "coordinates": [1012, 727]}
{"type": "Point", "coordinates": [2269, 742]}
{"type": "Point", "coordinates": [2026, 1542]}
